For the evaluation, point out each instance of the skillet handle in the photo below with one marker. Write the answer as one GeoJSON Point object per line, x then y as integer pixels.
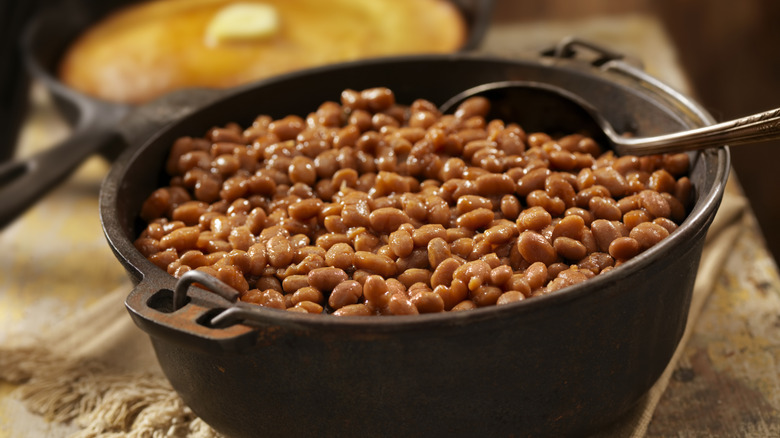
{"type": "Point", "coordinates": [23, 182]}
{"type": "Point", "coordinates": [153, 310]}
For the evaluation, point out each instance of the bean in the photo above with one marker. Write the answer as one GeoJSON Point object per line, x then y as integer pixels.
{"type": "Point", "coordinates": [374, 263]}
{"type": "Point", "coordinates": [344, 294]}
{"type": "Point", "coordinates": [485, 295]}
{"type": "Point", "coordinates": [428, 302]}
{"type": "Point", "coordinates": [308, 293]}
{"type": "Point", "coordinates": [536, 275]}
{"type": "Point", "coordinates": [464, 305]}
{"type": "Point", "coordinates": [438, 251]}
{"type": "Point", "coordinates": [624, 248]}
{"type": "Point", "coordinates": [354, 310]}
{"type": "Point", "coordinates": [648, 234]}
{"type": "Point", "coordinates": [266, 298]}
{"type": "Point", "coordinates": [569, 248]}
{"type": "Point", "coordinates": [535, 248]}
{"type": "Point", "coordinates": [510, 297]}
{"type": "Point", "coordinates": [340, 255]}
{"type": "Point", "coordinates": [376, 293]}
{"type": "Point", "coordinates": [326, 279]}
{"type": "Point", "coordinates": [400, 304]}
{"type": "Point", "coordinates": [479, 218]}
{"type": "Point", "coordinates": [469, 203]}
{"type": "Point", "coordinates": [181, 239]}
{"type": "Point", "coordinates": [278, 252]}
{"type": "Point", "coordinates": [426, 233]}
{"type": "Point", "coordinates": [473, 274]}
{"type": "Point", "coordinates": [306, 307]}
{"type": "Point", "coordinates": [473, 106]}
{"type": "Point", "coordinates": [635, 217]}
{"type": "Point", "coordinates": [605, 232]}
{"type": "Point", "coordinates": [655, 204]}
{"type": "Point", "coordinates": [387, 220]}
{"type": "Point", "coordinates": [493, 184]}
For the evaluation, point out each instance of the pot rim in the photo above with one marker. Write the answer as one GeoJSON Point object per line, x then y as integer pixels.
{"type": "Point", "coordinates": [697, 221]}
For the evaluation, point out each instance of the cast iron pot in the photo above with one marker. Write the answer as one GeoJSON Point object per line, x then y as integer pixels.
{"type": "Point", "coordinates": [103, 127]}
{"type": "Point", "coordinates": [559, 365]}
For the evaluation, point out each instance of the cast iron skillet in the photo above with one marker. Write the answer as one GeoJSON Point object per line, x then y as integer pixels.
{"type": "Point", "coordinates": [558, 365]}
{"type": "Point", "coordinates": [107, 127]}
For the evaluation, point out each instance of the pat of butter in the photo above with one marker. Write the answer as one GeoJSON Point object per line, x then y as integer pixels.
{"type": "Point", "coordinates": [240, 22]}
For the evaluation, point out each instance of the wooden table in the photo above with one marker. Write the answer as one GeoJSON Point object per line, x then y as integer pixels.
{"type": "Point", "coordinates": [55, 261]}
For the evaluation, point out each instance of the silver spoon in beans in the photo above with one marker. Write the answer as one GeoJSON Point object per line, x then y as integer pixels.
{"type": "Point", "coordinates": [505, 96]}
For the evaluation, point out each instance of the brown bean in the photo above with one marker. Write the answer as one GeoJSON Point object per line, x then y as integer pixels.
{"type": "Point", "coordinates": [308, 293]}
{"type": "Point", "coordinates": [654, 203]}
{"type": "Point", "coordinates": [428, 302]}
{"type": "Point", "coordinates": [464, 305]}
{"type": "Point", "coordinates": [510, 207]}
{"type": "Point", "coordinates": [344, 294]}
{"type": "Point", "coordinates": [181, 239]}
{"type": "Point", "coordinates": [533, 180]}
{"type": "Point", "coordinates": [635, 217]}
{"type": "Point", "coordinates": [306, 307]}
{"type": "Point", "coordinates": [387, 220]}
{"type": "Point", "coordinates": [473, 274]}
{"type": "Point", "coordinates": [648, 234]}
{"type": "Point", "coordinates": [604, 208]}
{"type": "Point", "coordinates": [501, 233]}
{"type": "Point", "coordinates": [266, 298]}
{"type": "Point", "coordinates": [535, 248]}
{"type": "Point", "coordinates": [500, 275]}
{"type": "Point", "coordinates": [571, 226]}
{"type": "Point", "coordinates": [278, 252]}
{"type": "Point", "coordinates": [438, 251]}
{"type": "Point", "coordinates": [400, 304]}
{"type": "Point", "coordinates": [413, 276]}
{"type": "Point", "coordinates": [536, 275]}
{"type": "Point", "coordinates": [510, 297]}
{"type": "Point", "coordinates": [605, 232]}
{"type": "Point", "coordinates": [305, 209]}
{"type": "Point", "coordinates": [534, 218]}
{"type": "Point", "coordinates": [354, 310]}
{"type": "Point", "coordinates": [485, 295]}
{"type": "Point", "coordinates": [374, 263]}
{"type": "Point", "coordinates": [376, 293]}
{"type": "Point", "coordinates": [469, 203]}
{"type": "Point", "coordinates": [493, 184]}
{"type": "Point", "coordinates": [340, 255]}
{"type": "Point", "coordinates": [326, 279]}
{"type": "Point", "coordinates": [479, 218]}
{"type": "Point", "coordinates": [426, 233]}
{"type": "Point", "coordinates": [473, 106]}
{"type": "Point", "coordinates": [624, 248]}
{"type": "Point", "coordinates": [378, 99]}
{"type": "Point", "coordinates": [569, 248]}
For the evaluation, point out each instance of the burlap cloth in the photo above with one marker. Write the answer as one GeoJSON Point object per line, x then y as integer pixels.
{"type": "Point", "coordinates": [96, 372]}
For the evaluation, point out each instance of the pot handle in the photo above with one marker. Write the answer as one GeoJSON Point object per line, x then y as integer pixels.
{"type": "Point", "coordinates": [25, 181]}
{"type": "Point", "coordinates": [615, 62]}
{"type": "Point", "coordinates": [184, 315]}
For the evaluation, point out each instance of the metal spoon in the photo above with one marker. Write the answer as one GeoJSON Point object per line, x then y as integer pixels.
{"type": "Point", "coordinates": [555, 108]}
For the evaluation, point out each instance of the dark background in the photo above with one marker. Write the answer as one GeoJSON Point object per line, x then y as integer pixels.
{"type": "Point", "coordinates": [730, 51]}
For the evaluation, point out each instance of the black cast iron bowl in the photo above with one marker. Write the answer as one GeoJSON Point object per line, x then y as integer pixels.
{"type": "Point", "coordinates": [558, 365]}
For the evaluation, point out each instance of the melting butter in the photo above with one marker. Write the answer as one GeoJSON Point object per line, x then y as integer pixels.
{"type": "Point", "coordinates": [242, 22]}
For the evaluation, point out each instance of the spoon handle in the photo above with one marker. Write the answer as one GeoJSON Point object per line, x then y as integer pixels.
{"type": "Point", "coordinates": [750, 129]}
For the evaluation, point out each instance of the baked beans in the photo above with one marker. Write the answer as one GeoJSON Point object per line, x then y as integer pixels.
{"type": "Point", "coordinates": [367, 207]}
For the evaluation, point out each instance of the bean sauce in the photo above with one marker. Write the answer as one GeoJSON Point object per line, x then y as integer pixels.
{"type": "Point", "coordinates": [370, 207]}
